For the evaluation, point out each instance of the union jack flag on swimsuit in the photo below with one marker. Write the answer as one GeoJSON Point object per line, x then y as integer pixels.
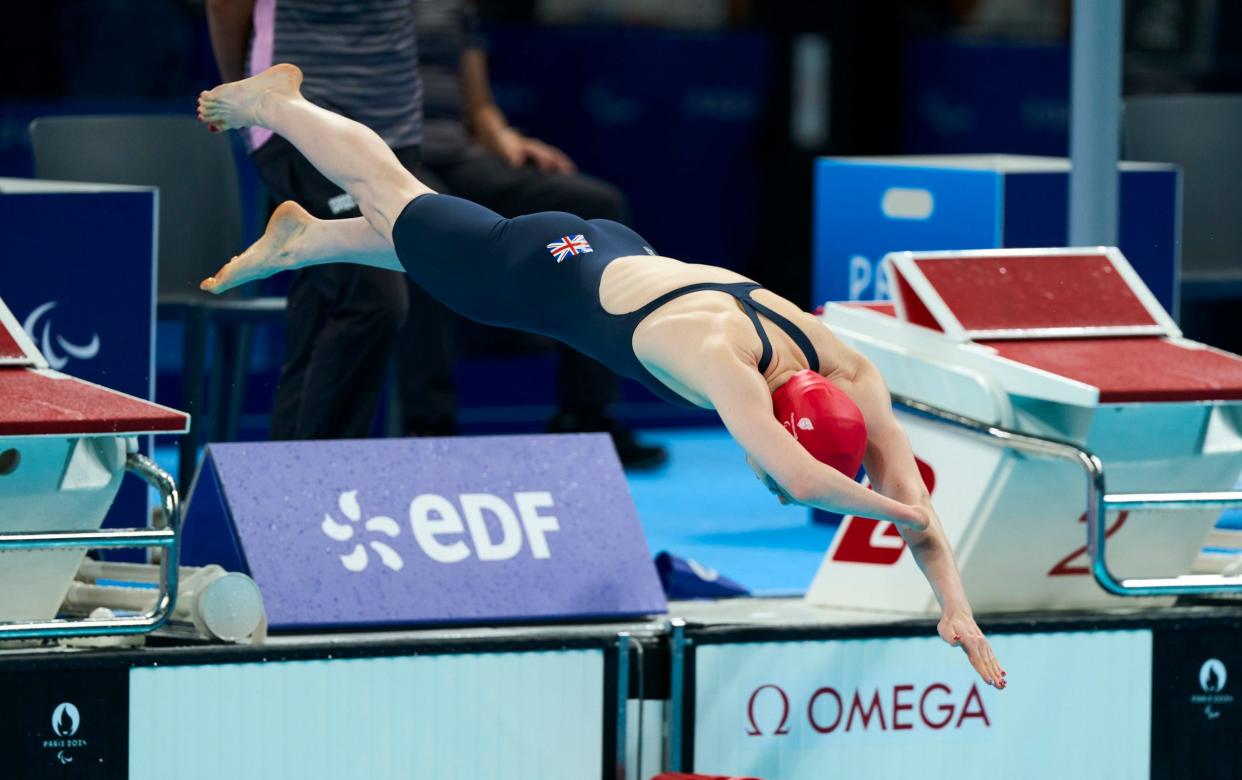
{"type": "Point", "coordinates": [569, 245]}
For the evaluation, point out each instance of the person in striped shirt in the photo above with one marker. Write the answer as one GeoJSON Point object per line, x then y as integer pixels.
{"type": "Point", "coordinates": [469, 149]}
{"type": "Point", "coordinates": [360, 60]}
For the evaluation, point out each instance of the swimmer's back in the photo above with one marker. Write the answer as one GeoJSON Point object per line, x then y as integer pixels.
{"type": "Point", "coordinates": [630, 283]}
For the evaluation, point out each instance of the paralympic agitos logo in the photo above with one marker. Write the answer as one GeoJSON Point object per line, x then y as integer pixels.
{"type": "Point", "coordinates": [47, 342]}
{"type": "Point", "coordinates": [770, 711]}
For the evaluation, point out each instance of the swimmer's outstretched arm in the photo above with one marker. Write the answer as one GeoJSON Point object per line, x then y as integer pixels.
{"type": "Point", "coordinates": [891, 468]}
{"type": "Point", "coordinates": [727, 375]}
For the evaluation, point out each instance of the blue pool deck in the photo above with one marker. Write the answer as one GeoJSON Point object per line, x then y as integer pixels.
{"type": "Point", "coordinates": [707, 505]}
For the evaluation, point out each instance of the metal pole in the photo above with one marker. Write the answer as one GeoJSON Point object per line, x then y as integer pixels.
{"type": "Point", "coordinates": [1095, 122]}
{"type": "Point", "coordinates": [623, 704]}
{"type": "Point", "coordinates": [677, 695]}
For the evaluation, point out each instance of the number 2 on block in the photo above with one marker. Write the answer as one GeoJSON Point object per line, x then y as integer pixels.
{"type": "Point", "coordinates": [1063, 567]}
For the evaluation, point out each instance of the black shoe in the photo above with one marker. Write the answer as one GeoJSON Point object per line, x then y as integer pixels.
{"type": "Point", "coordinates": [634, 455]}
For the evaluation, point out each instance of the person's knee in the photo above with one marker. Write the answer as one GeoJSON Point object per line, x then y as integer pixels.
{"type": "Point", "coordinates": [377, 304]}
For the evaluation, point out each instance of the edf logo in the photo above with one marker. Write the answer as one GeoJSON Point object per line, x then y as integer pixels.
{"type": "Point", "coordinates": [438, 525]}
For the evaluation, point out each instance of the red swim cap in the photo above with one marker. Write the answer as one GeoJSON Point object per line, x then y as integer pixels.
{"type": "Point", "coordinates": [823, 419]}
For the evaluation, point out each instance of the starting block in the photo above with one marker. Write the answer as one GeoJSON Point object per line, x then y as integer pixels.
{"type": "Point", "coordinates": [1068, 351]}
{"type": "Point", "coordinates": [65, 446]}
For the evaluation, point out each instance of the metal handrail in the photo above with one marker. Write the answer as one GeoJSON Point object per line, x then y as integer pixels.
{"type": "Point", "coordinates": [167, 538]}
{"type": "Point", "coordinates": [1099, 503]}
{"type": "Point", "coordinates": [622, 705]}
{"type": "Point", "coordinates": [675, 730]}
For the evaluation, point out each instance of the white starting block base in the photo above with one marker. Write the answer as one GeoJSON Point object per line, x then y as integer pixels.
{"type": "Point", "coordinates": [65, 446]}
{"type": "Point", "coordinates": [1064, 345]}
{"type": "Point", "coordinates": [1020, 536]}
{"type": "Point", "coordinates": [63, 484]}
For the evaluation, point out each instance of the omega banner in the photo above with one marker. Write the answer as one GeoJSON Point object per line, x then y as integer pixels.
{"type": "Point", "coordinates": [1078, 704]}
{"type": "Point", "coordinates": [402, 531]}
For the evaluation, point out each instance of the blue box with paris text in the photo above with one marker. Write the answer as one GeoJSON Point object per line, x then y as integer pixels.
{"type": "Point", "coordinates": [866, 207]}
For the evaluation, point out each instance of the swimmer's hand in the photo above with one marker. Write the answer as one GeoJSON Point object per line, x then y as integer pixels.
{"type": "Point", "coordinates": [779, 492]}
{"type": "Point", "coordinates": [769, 483]}
{"type": "Point", "coordinates": [959, 630]}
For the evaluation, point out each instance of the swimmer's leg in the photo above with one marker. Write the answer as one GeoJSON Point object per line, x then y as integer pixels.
{"type": "Point", "coordinates": [349, 154]}
{"type": "Point", "coordinates": [295, 239]}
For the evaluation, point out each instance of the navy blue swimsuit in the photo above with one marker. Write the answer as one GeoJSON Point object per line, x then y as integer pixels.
{"type": "Point", "coordinates": [541, 273]}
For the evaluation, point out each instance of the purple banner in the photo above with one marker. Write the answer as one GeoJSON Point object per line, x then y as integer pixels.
{"type": "Point", "coordinates": [403, 531]}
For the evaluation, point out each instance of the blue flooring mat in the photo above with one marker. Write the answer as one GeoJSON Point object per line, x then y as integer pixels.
{"type": "Point", "coordinates": [707, 505]}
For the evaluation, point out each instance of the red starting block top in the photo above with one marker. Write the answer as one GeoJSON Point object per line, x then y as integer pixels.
{"type": "Point", "coordinates": [1081, 314]}
{"type": "Point", "coordinates": [36, 402]}
{"type": "Point", "coordinates": [1132, 370]}
{"type": "Point", "coordinates": [1124, 370]}
{"type": "Point", "coordinates": [1027, 293]}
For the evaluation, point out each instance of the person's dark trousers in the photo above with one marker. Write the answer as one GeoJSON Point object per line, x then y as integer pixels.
{"type": "Point", "coordinates": [425, 355]}
{"type": "Point", "coordinates": [343, 319]}
{"type": "Point", "coordinates": [426, 349]}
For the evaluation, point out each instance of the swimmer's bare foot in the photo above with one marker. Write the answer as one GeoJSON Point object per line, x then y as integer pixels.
{"type": "Point", "coordinates": [275, 251]}
{"type": "Point", "coordinates": [238, 103]}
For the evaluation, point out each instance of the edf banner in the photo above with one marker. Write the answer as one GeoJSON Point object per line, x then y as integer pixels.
{"type": "Point", "coordinates": [402, 531]}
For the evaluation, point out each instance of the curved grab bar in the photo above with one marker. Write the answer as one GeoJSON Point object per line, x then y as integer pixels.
{"type": "Point", "coordinates": [1099, 503]}
{"type": "Point", "coordinates": [168, 538]}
